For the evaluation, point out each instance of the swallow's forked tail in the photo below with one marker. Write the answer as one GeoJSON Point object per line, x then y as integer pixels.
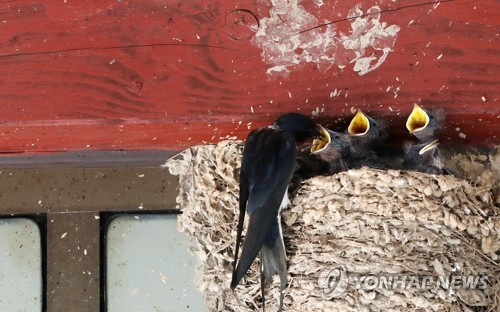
{"type": "Point", "coordinates": [273, 261]}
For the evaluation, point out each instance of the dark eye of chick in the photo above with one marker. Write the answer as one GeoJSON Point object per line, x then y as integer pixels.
{"type": "Point", "coordinates": [431, 117]}
{"type": "Point", "coordinates": [374, 123]}
{"type": "Point", "coordinates": [337, 137]}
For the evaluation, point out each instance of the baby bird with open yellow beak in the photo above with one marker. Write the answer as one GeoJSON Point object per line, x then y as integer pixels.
{"type": "Point", "coordinates": [332, 148]}
{"type": "Point", "coordinates": [364, 132]}
{"type": "Point", "coordinates": [423, 124]}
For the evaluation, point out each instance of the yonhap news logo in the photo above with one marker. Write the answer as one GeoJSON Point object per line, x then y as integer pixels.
{"type": "Point", "coordinates": [333, 282]}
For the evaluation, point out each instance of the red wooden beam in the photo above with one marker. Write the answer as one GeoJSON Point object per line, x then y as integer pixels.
{"type": "Point", "coordinates": [166, 75]}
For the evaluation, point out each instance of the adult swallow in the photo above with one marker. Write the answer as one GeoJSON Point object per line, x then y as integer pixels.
{"type": "Point", "coordinates": [266, 169]}
{"type": "Point", "coordinates": [364, 132]}
{"type": "Point", "coordinates": [332, 147]}
{"type": "Point", "coordinates": [423, 124]}
{"type": "Point", "coordinates": [425, 157]}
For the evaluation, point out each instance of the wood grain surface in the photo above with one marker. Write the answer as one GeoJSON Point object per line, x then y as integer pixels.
{"type": "Point", "coordinates": [118, 75]}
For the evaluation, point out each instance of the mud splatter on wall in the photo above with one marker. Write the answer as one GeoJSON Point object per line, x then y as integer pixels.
{"type": "Point", "coordinates": [291, 36]}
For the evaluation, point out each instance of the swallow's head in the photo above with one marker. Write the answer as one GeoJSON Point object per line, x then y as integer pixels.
{"type": "Point", "coordinates": [330, 140]}
{"type": "Point", "coordinates": [420, 152]}
{"type": "Point", "coordinates": [423, 157]}
{"type": "Point", "coordinates": [302, 127]}
{"type": "Point", "coordinates": [419, 119]}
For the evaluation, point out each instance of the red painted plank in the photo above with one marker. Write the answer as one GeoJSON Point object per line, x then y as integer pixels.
{"type": "Point", "coordinates": [151, 74]}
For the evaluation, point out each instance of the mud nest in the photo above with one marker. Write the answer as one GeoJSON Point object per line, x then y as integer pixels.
{"type": "Point", "coordinates": [367, 222]}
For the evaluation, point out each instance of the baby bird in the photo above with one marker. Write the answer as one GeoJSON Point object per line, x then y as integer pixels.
{"type": "Point", "coordinates": [424, 157]}
{"type": "Point", "coordinates": [332, 148]}
{"type": "Point", "coordinates": [364, 132]}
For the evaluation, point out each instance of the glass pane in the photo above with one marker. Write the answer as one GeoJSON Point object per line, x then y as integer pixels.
{"type": "Point", "coordinates": [149, 267]}
{"type": "Point", "coordinates": [20, 266]}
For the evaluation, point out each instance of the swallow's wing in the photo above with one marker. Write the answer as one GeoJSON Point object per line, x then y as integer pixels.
{"type": "Point", "coordinates": [267, 166]}
{"type": "Point", "coordinates": [249, 145]}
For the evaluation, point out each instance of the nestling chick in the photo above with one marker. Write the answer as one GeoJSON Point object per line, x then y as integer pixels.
{"type": "Point", "coordinates": [333, 148]}
{"type": "Point", "coordinates": [424, 157]}
{"type": "Point", "coordinates": [364, 132]}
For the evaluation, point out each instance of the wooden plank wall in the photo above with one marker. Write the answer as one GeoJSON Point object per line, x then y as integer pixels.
{"type": "Point", "coordinates": [107, 75]}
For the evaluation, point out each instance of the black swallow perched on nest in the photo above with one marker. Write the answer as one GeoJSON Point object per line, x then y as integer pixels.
{"type": "Point", "coordinates": [269, 159]}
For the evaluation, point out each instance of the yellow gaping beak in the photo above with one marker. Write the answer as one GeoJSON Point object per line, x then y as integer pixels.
{"type": "Point", "coordinates": [429, 147]}
{"type": "Point", "coordinates": [319, 144]}
{"type": "Point", "coordinates": [417, 120]}
{"type": "Point", "coordinates": [359, 124]}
